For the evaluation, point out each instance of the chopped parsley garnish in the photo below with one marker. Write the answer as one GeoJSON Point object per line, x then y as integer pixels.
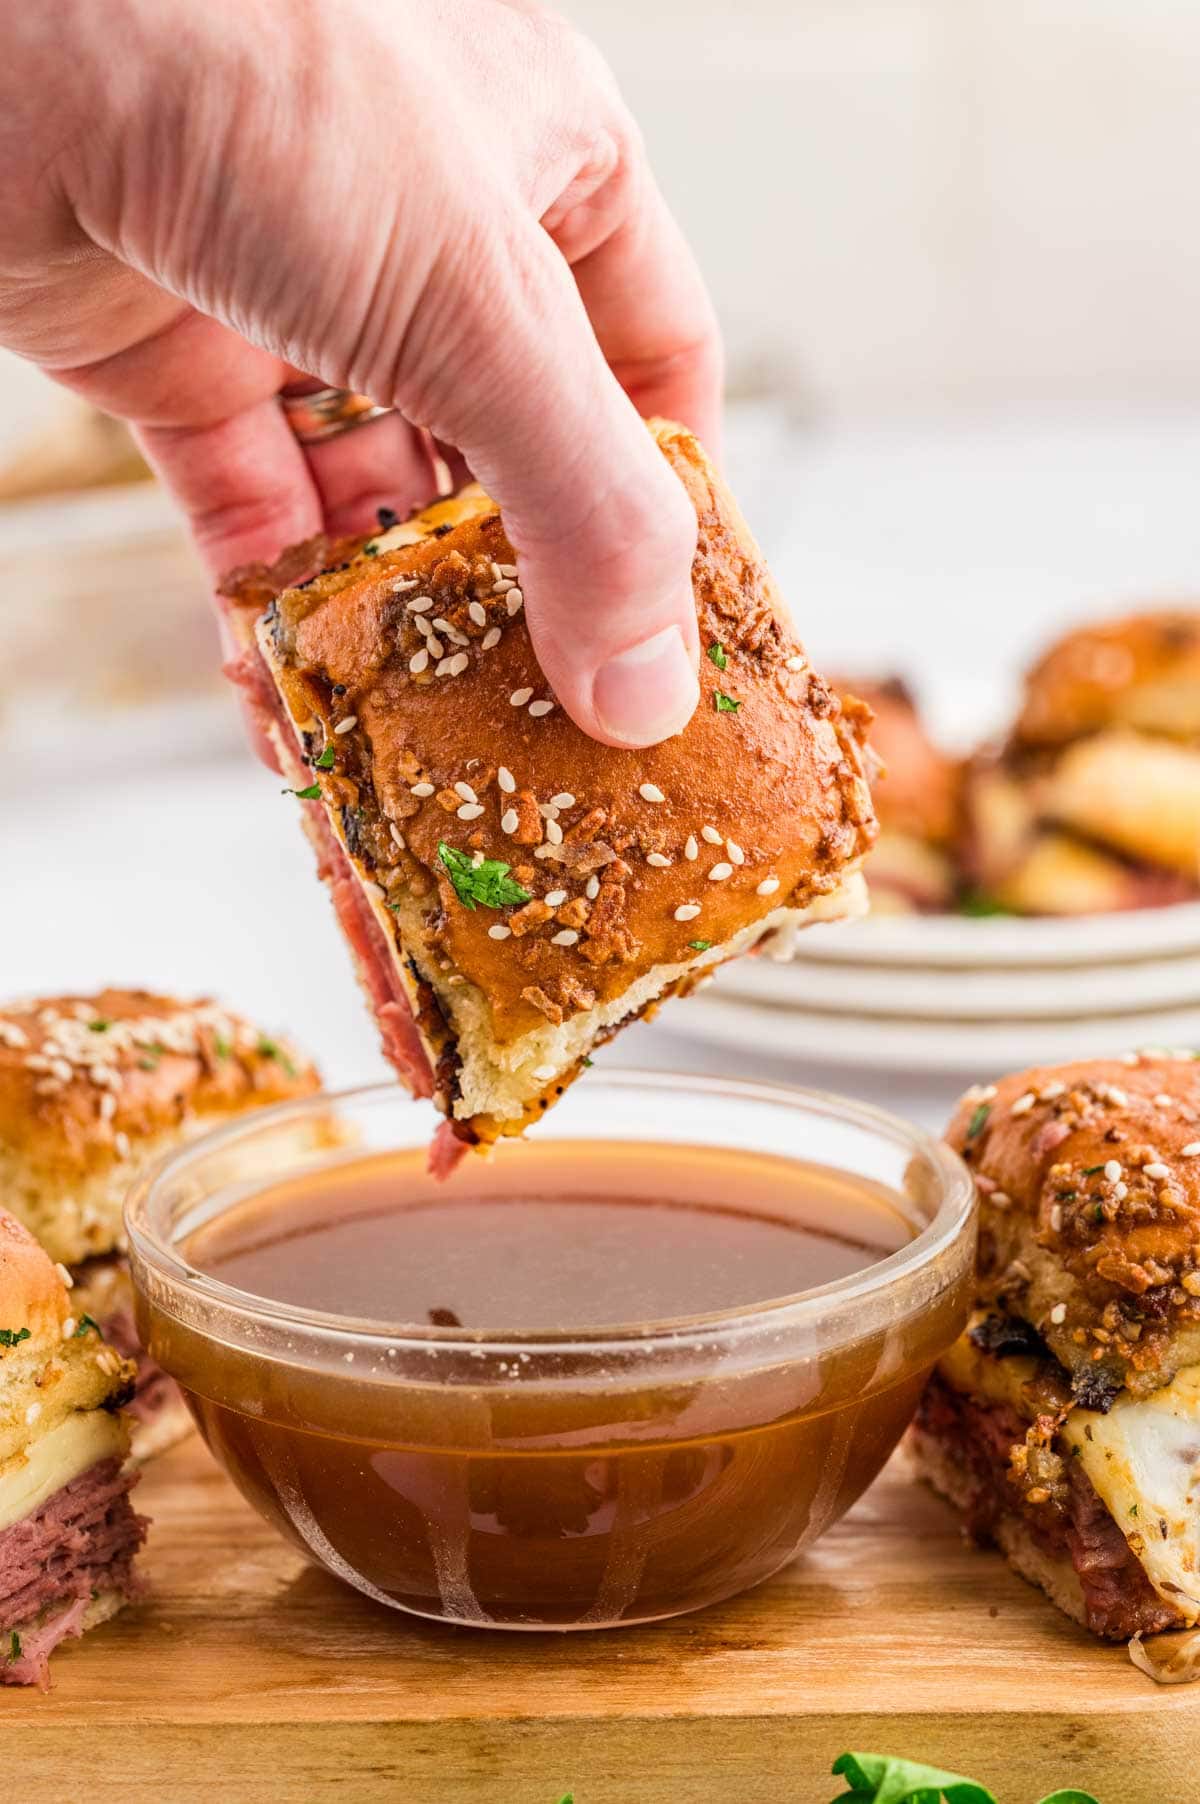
{"type": "Point", "coordinates": [488, 882]}
{"type": "Point", "coordinates": [1089, 1171]}
{"type": "Point", "coordinates": [587, 1062]}
{"type": "Point", "coordinates": [268, 1049]}
{"type": "Point", "coordinates": [1133, 1509]}
{"type": "Point", "coordinates": [325, 761]}
{"type": "Point", "coordinates": [1065, 1196]}
{"type": "Point", "coordinates": [699, 945]}
{"type": "Point", "coordinates": [221, 1047]}
{"type": "Point", "coordinates": [150, 1057]}
{"type": "Point", "coordinates": [12, 1337]}
{"type": "Point", "coordinates": [978, 1121]}
{"type": "Point", "coordinates": [717, 654]}
{"type": "Point", "coordinates": [305, 795]}
{"type": "Point", "coordinates": [979, 904]}
{"type": "Point", "coordinates": [723, 703]}
{"type": "Point", "coordinates": [370, 548]}
{"type": "Point", "coordinates": [1098, 1212]}
{"type": "Point", "coordinates": [99, 1027]}
{"type": "Point", "coordinates": [14, 1647]}
{"type": "Point", "coordinates": [87, 1325]}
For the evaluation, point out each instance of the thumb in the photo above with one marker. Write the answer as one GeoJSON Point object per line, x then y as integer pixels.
{"type": "Point", "coordinates": [603, 528]}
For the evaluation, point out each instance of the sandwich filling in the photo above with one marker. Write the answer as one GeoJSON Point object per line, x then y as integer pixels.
{"type": "Point", "coordinates": [1100, 1505]}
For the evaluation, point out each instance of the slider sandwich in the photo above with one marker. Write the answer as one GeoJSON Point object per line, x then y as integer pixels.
{"type": "Point", "coordinates": [68, 1534]}
{"type": "Point", "coordinates": [513, 892]}
{"type": "Point", "coordinates": [1094, 803]}
{"type": "Point", "coordinates": [911, 869]}
{"type": "Point", "coordinates": [1065, 1423]}
{"type": "Point", "coordinates": [93, 1091]}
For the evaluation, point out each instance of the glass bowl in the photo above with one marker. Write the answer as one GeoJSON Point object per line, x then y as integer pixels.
{"type": "Point", "coordinates": [558, 1480]}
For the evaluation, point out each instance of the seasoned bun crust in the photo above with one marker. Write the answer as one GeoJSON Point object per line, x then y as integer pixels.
{"type": "Point", "coordinates": [92, 1088]}
{"type": "Point", "coordinates": [50, 1362]}
{"type": "Point", "coordinates": [1141, 671]}
{"type": "Point", "coordinates": [409, 666]}
{"type": "Point", "coordinates": [1089, 1185]}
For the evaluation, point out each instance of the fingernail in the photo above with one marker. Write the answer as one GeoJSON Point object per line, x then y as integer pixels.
{"type": "Point", "coordinates": [648, 692]}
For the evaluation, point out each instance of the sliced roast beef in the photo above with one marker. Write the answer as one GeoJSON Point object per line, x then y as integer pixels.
{"type": "Point", "coordinates": [81, 1541]}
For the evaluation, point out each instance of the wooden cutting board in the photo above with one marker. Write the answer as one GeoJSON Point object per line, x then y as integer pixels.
{"type": "Point", "coordinates": [249, 1676]}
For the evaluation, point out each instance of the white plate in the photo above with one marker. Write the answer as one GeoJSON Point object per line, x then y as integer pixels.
{"type": "Point", "coordinates": [1004, 940]}
{"type": "Point", "coordinates": [966, 993]}
{"type": "Point", "coordinates": [972, 1048]}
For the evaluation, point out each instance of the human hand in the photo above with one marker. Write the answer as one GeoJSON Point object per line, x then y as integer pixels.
{"type": "Point", "coordinates": [439, 203]}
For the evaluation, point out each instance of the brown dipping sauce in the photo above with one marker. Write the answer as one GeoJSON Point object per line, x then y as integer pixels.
{"type": "Point", "coordinates": [604, 1485]}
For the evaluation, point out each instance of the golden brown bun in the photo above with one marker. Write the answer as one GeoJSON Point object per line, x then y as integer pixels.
{"type": "Point", "coordinates": [1141, 671]}
{"type": "Point", "coordinates": [917, 792]}
{"type": "Point", "coordinates": [1137, 794]}
{"type": "Point", "coordinates": [95, 1088]}
{"type": "Point", "coordinates": [48, 1368]}
{"type": "Point", "coordinates": [1089, 1185]}
{"type": "Point", "coordinates": [770, 794]}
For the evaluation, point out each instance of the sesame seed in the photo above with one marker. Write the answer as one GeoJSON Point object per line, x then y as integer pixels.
{"type": "Point", "coordinates": [419, 662]}
{"type": "Point", "coordinates": [510, 820]}
{"type": "Point", "coordinates": [719, 872]}
{"type": "Point", "coordinates": [33, 1412]}
{"type": "Point", "coordinates": [478, 613]}
{"type": "Point", "coordinates": [591, 890]}
{"type": "Point", "coordinates": [62, 1071]}
{"type": "Point", "coordinates": [1112, 1170]}
{"type": "Point", "coordinates": [544, 1072]}
{"type": "Point", "coordinates": [373, 889]}
{"type": "Point", "coordinates": [519, 697]}
{"type": "Point", "coordinates": [491, 638]}
{"type": "Point", "coordinates": [658, 861]}
{"type": "Point", "coordinates": [502, 585]}
{"type": "Point", "coordinates": [422, 789]}
{"type": "Point", "coordinates": [1023, 1104]}
{"type": "Point", "coordinates": [1000, 1199]}
{"type": "Point", "coordinates": [538, 709]}
{"type": "Point", "coordinates": [735, 852]}
{"type": "Point", "coordinates": [691, 849]}
{"type": "Point", "coordinates": [68, 1327]}
{"type": "Point", "coordinates": [108, 1105]}
{"type": "Point", "coordinates": [506, 780]}
{"type": "Point", "coordinates": [506, 569]}
{"type": "Point", "coordinates": [711, 835]}
{"type": "Point", "coordinates": [1058, 1314]}
{"type": "Point", "coordinates": [542, 851]}
{"type": "Point", "coordinates": [767, 887]}
{"type": "Point", "coordinates": [465, 793]}
{"type": "Point", "coordinates": [650, 792]}
{"type": "Point", "coordinates": [687, 911]}
{"type": "Point", "coordinates": [567, 937]}
{"type": "Point", "coordinates": [121, 1144]}
{"type": "Point", "coordinates": [65, 1275]}
{"type": "Point", "coordinates": [420, 604]}
{"type": "Point", "coordinates": [396, 834]}
{"type": "Point", "coordinates": [1191, 1150]}
{"type": "Point", "coordinates": [1120, 1192]}
{"type": "Point", "coordinates": [423, 627]}
{"type": "Point", "coordinates": [443, 667]}
{"type": "Point", "coordinates": [554, 833]}
{"type": "Point", "coordinates": [470, 811]}
{"type": "Point", "coordinates": [436, 648]}
{"type": "Point", "coordinates": [556, 898]}
{"type": "Point", "coordinates": [1116, 1097]}
{"type": "Point", "coordinates": [564, 799]}
{"type": "Point", "coordinates": [443, 626]}
{"type": "Point", "coordinates": [1054, 1089]}
{"type": "Point", "coordinates": [514, 601]}
{"type": "Point", "coordinates": [348, 725]}
{"type": "Point", "coordinates": [499, 931]}
{"type": "Point", "coordinates": [477, 859]}
{"type": "Point", "coordinates": [1056, 1218]}
{"type": "Point", "coordinates": [795, 662]}
{"type": "Point", "coordinates": [1162, 1100]}
{"type": "Point", "coordinates": [1158, 1170]}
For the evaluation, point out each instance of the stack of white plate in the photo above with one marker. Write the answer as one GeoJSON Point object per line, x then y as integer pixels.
{"type": "Point", "coordinates": [944, 993]}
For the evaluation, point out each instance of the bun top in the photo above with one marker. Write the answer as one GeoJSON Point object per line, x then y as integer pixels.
{"type": "Point", "coordinates": [1140, 671]}
{"type": "Point", "coordinates": [84, 1078]}
{"type": "Point", "coordinates": [1089, 1187]}
{"type": "Point", "coordinates": [409, 668]}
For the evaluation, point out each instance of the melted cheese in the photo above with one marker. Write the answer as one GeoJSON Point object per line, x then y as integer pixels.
{"type": "Point", "coordinates": [1143, 1459]}
{"type": "Point", "coordinates": [55, 1458]}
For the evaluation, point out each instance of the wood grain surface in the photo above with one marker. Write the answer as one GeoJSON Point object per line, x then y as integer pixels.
{"type": "Point", "coordinates": [249, 1676]}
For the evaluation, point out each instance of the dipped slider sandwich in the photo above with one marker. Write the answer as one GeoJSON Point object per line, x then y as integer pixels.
{"type": "Point", "coordinates": [68, 1534]}
{"type": "Point", "coordinates": [1094, 803]}
{"type": "Point", "coordinates": [911, 868]}
{"type": "Point", "coordinates": [95, 1089]}
{"type": "Point", "coordinates": [1065, 1423]}
{"type": "Point", "coordinates": [513, 892]}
